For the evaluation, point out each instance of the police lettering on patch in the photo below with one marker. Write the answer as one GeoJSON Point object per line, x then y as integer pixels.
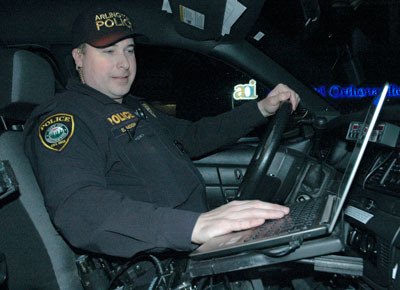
{"type": "Point", "coordinates": [56, 131]}
{"type": "Point", "coordinates": [120, 117]}
{"type": "Point", "coordinates": [123, 123]}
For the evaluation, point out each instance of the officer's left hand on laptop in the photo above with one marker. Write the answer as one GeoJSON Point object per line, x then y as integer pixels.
{"type": "Point", "coordinates": [235, 216]}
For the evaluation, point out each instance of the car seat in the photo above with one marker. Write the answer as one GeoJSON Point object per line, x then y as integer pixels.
{"type": "Point", "coordinates": [37, 256]}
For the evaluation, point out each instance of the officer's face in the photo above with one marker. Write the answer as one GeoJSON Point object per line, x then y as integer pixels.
{"type": "Point", "coordinates": [110, 70]}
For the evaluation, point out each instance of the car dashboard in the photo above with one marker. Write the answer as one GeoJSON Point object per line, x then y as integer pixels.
{"type": "Point", "coordinates": [371, 220]}
{"type": "Point", "coordinates": [371, 215]}
{"type": "Point", "coordinates": [302, 169]}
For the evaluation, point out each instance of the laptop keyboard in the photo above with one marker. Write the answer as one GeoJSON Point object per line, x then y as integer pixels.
{"type": "Point", "coordinates": [302, 216]}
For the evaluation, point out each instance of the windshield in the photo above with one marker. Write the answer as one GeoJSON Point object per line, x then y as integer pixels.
{"type": "Point", "coordinates": [345, 50]}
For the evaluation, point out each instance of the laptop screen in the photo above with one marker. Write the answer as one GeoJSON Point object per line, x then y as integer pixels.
{"type": "Point", "coordinates": [358, 151]}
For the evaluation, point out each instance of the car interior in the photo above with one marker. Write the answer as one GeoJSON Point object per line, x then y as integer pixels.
{"type": "Point", "coordinates": [336, 55]}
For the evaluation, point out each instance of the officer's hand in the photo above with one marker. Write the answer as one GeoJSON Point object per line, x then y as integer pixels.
{"type": "Point", "coordinates": [270, 104]}
{"type": "Point", "coordinates": [235, 216]}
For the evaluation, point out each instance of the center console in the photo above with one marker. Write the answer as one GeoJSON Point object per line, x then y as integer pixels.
{"type": "Point", "coordinates": [373, 214]}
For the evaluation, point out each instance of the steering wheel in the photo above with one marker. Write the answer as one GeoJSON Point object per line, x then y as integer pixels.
{"type": "Point", "coordinates": [264, 155]}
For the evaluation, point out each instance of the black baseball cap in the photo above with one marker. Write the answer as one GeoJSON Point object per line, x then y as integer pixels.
{"type": "Point", "coordinates": [101, 27]}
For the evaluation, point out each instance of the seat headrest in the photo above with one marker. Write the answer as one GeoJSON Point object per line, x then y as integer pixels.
{"type": "Point", "coordinates": [25, 78]}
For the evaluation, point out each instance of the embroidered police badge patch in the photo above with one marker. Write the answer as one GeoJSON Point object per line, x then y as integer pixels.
{"type": "Point", "coordinates": [56, 131]}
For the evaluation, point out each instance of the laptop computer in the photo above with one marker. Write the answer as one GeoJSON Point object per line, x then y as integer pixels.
{"type": "Point", "coordinates": [322, 212]}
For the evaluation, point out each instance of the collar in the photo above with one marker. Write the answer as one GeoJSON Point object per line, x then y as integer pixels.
{"type": "Point", "coordinates": [75, 85]}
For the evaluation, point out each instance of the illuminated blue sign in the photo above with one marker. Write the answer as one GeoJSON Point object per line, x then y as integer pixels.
{"type": "Point", "coordinates": [339, 92]}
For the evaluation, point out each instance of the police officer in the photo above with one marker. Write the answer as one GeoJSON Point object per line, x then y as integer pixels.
{"type": "Point", "coordinates": [113, 171]}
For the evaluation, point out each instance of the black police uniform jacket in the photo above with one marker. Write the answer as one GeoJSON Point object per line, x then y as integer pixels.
{"type": "Point", "coordinates": [114, 176]}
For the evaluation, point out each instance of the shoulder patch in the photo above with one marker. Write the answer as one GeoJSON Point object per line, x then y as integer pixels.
{"type": "Point", "coordinates": [56, 131]}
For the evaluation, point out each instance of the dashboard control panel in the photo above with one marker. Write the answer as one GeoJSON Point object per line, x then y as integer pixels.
{"type": "Point", "coordinates": [384, 133]}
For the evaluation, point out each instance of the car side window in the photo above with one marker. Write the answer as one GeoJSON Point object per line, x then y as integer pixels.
{"type": "Point", "coordinates": [186, 84]}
